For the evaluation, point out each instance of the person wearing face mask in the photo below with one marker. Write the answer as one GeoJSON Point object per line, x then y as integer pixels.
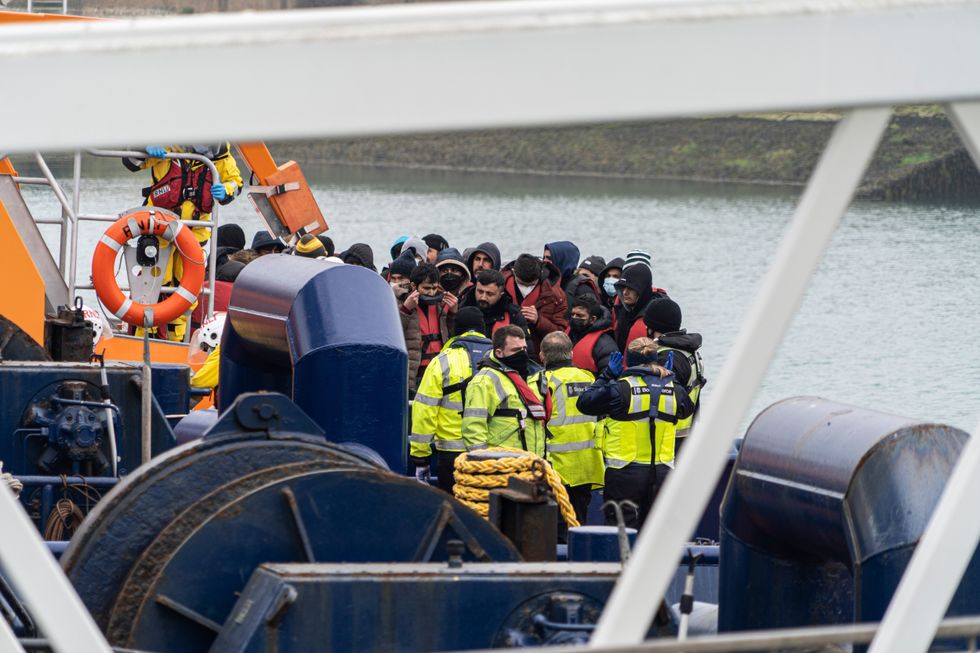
{"type": "Point", "coordinates": [432, 310]}
{"type": "Point", "coordinates": [635, 291]}
{"type": "Point", "coordinates": [505, 405]}
{"type": "Point", "coordinates": [187, 188]}
{"type": "Point", "coordinates": [643, 404]}
{"type": "Point", "coordinates": [590, 328]}
{"type": "Point", "coordinates": [607, 281]}
{"type": "Point", "coordinates": [454, 276]}
{"type": "Point", "coordinates": [399, 278]}
{"type": "Point", "coordinates": [536, 287]}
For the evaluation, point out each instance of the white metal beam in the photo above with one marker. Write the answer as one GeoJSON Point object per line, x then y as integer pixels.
{"type": "Point", "coordinates": [679, 506]}
{"type": "Point", "coordinates": [454, 66]}
{"type": "Point", "coordinates": [8, 641]}
{"type": "Point", "coordinates": [953, 532]}
{"type": "Point", "coordinates": [40, 582]}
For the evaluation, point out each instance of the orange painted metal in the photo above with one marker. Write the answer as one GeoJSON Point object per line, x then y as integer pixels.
{"type": "Point", "coordinates": [297, 209]}
{"type": "Point", "coordinates": [7, 168]}
{"type": "Point", "coordinates": [130, 348]}
{"type": "Point", "coordinates": [19, 17]}
{"type": "Point", "coordinates": [22, 298]}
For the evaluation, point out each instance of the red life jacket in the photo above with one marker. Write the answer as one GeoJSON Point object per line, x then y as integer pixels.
{"type": "Point", "coordinates": [182, 183]}
{"type": "Point", "coordinates": [638, 330]}
{"type": "Point", "coordinates": [431, 335]}
{"type": "Point", "coordinates": [504, 321]}
{"type": "Point", "coordinates": [582, 351]}
{"type": "Point", "coordinates": [512, 291]}
{"type": "Point", "coordinates": [536, 408]}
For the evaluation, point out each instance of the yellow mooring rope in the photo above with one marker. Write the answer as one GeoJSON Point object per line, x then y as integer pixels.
{"type": "Point", "coordinates": [475, 479]}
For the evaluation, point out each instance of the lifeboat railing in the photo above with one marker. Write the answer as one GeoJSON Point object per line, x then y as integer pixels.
{"type": "Point", "coordinates": [71, 217]}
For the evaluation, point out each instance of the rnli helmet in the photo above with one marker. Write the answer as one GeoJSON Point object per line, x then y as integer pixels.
{"type": "Point", "coordinates": [98, 322]}
{"type": "Point", "coordinates": [206, 338]}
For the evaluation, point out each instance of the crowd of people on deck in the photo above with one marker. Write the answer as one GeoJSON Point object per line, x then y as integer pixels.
{"type": "Point", "coordinates": [580, 360]}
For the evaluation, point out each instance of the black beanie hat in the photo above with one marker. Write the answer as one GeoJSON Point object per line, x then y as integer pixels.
{"type": "Point", "coordinates": [403, 265]}
{"type": "Point", "coordinates": [230, 235]}
{"type": "Point", "coordinates": [663, 315]}
{"type": "Point", "coordinates": [594, 264]}
{"type": "Point", "coordinates": [436, 242]}
{"type": "Point", "coordinates": [469, 318]}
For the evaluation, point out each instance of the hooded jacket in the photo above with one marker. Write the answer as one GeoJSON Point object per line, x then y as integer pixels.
{"type": "Point", "coordinates": [681, 367]}
{"type": "Point", "coordinates": [615, 264]}
{"type": "Point", "coordinates": [489, 249]}
{"type": "Point", "coordinates": [604, 346]}
{"type": "Point", "coordinates": [551, 303]}
{"type": "Point", "coordinates": [359, 254]}
{"type": "Point", "coordinates": [565, 255]}
{"type": "Point", "coordinates": [640, 279]}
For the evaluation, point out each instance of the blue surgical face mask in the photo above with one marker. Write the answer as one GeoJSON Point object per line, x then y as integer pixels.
{"type": "Point", "coordinates": [609, 285]}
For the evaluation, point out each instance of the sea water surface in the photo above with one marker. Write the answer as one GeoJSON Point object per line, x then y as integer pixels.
{"type": "Point", "coordinates": [888, 321]}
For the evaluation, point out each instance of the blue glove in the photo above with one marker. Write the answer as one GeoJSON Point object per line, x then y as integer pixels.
{"type": "Point", "coordinates": [616, 363]}
{"type": "Point", "coordinates": [219, 192]}
{"type": "Point", "coordinates": [423, 475]}
{"type": "Point", "coordinates": [156, 151]}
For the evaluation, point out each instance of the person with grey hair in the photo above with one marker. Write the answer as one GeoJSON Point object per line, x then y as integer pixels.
{"type": "Point", "coordinates": [571, 446]}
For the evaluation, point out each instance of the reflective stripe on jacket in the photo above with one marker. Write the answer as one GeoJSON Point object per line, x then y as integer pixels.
{"type": "Point", "coordinates": [231, 177]}
{"type": "Point", "coordinates": [494, 413]}
{"type": "Point", "coordinates": [692, 385]}
{"type": "Point", "coordinates": [571, 445]}
{"type": "Point", "coordinates": [628, 441]}
{"type": "Point", "coordinates": [438, 406]}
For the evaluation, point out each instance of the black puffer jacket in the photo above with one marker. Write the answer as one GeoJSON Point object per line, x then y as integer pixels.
{"type": "Point", "coordinates": [689, 342]}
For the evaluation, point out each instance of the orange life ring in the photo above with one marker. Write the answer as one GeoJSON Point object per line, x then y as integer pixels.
{"type": "Point", "coordinates": [132, 224]}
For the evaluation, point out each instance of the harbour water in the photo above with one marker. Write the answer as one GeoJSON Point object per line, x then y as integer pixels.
{"type": "Point", "coordinates": [887, 323]}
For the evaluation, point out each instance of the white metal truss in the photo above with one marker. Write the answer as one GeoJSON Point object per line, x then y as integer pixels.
{"type": "Point", "coordinates": [39, 580]}
{"type": "Point", "coordinates": [679, 505]}
{"type": "Point", "coordinates": [953, 532]}
{"type": "Point", "coordinates": [447, 66]}
{"type": "Point", "coordinates": [440, 67]}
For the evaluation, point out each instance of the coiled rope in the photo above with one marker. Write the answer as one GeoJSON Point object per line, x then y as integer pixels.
{"type": "Point", "coordinates": [6, 477]}
{"type": "Point", "coordinates": [476, 477]}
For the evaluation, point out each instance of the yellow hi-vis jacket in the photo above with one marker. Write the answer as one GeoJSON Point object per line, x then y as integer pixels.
{"type": "Point", "coordinates": [495, 416]}
{"type": "Point", "coordinates": [628, 441]}
{"type": "Point", "coordinates": [207, 375]}
{"type": "Point", "coordinates": [571, 446]}
{"type": "Point", "coordinates": [692, 385]}
{"type": "Point", "coordinates": [438, 407]}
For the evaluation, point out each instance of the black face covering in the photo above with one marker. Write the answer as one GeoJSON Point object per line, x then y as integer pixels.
{"type": "Point", "coordinates": [578, 325]}
{"type": "Point", "coordinates": [430, 300]}
{"type": "Point", "coordinates": [451, 282]}
{"type": "Point", "coordinates": [518, 361]}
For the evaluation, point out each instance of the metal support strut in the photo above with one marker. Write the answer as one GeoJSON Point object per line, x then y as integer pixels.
{"type": "Point", "coordinates": [658, 549]}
